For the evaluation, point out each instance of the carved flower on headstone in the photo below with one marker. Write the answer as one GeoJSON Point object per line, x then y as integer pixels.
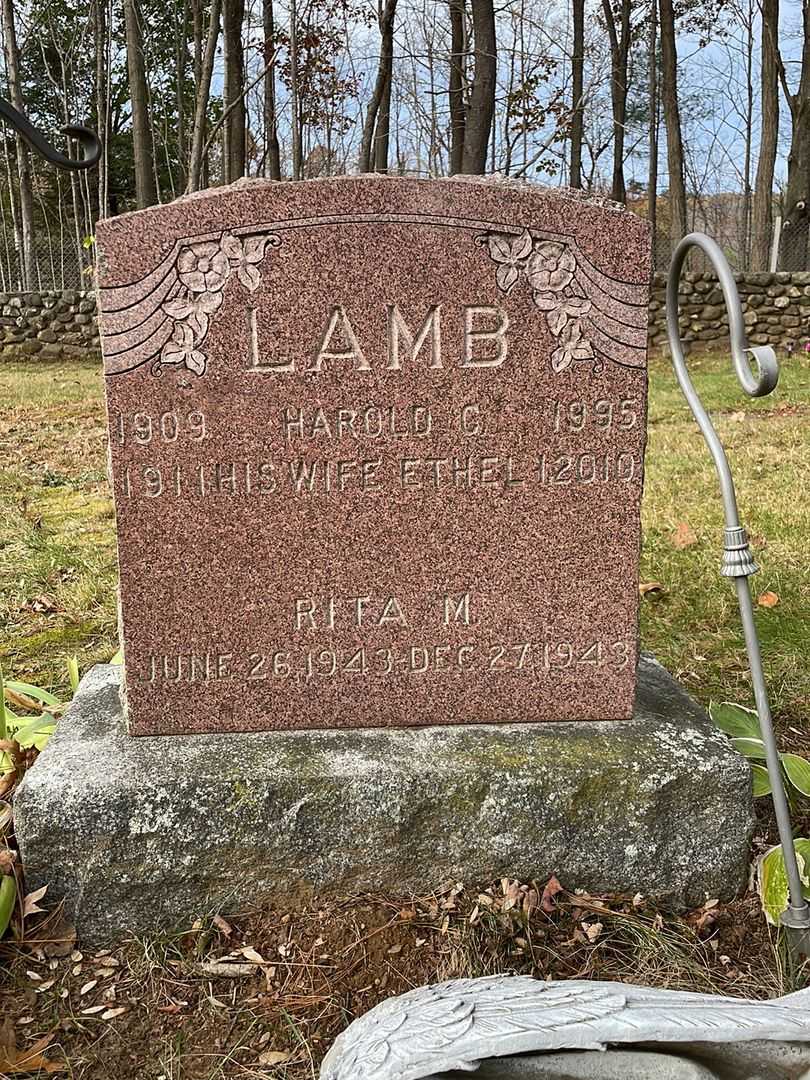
{"type": "Point", "coordinates": [194, 310]}
{"type": "Point", "coordinates": [203, 267]}
{"type": "Point", "coordinates": [573, 346]}
{"type": "Point", "coordinates": [245, 256]}
{"type": "Point", "coordinates": [202, 270]}
{"type": "Point", "coordinates": [561, 308]}
{"type": "Point", "coordinates": [509, 252]}
{"type": "Point", "coordinates": [551, 267]}
{"type": "Point", "coordinates": [180, 349]}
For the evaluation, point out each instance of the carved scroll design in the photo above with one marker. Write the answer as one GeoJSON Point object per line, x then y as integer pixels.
{"type": "Point", "coordinates": [203, 269]}
{"type": "Point", "coordinates": [550, 269]}
{"type": "Point", "coordinates": [459, 1024]}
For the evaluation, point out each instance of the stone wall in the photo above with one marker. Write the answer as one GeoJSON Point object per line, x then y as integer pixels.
{"type": "Point", "coordinates": [52, 324]}
{"type": "Point", "coordinates": [776, 308]}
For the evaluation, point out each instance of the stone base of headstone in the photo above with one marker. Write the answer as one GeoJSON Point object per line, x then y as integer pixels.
{"type": "Point", "coordinates": [136, 834]}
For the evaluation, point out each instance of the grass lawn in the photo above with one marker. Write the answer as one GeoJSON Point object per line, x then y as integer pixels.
{"type": "Point", "coordinates": [57, 551]}
{"type": "Point", "coordinates": [164, 1008]}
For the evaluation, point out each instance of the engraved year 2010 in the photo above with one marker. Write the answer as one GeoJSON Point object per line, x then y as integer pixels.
{"type": "Point", "coordinates": [608, 415]}
{"type": "Point", "coordinates": [166, 427]}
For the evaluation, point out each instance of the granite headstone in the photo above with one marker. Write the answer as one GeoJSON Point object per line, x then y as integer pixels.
{"type": "Point", "coordinates": [377, 453]}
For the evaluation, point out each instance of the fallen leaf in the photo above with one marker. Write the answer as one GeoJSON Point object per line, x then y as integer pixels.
{"type": "Point", "coordinates": [28, 1061]}
{"type": "Point", "coordinates": [30, 902]}
{"type": "Point", "coordinates": [650, 587]}
{"type": "Point", "coordinates": [547, 901]}
{"type": "Point", "coordinates": [111, 1014]}
{"type": "Point", "coordinates": [88, 986]}
{"type": "Point", "coordinates": [592, 930]}
{"type": "Point", "coordinates": [768, 599]}
{"type": "Point", "coordinates": [93, 1010]}
{"type": "Point", "coordinates": [394, 950]}
{"type": "Point", "coordinates": [221, 970]}
{"type": "Point", "coordinates": [251, 955]}
{"type": "Point", "coordinates": [273, 1057]}
{"type": "Point", "coordinates": [684, 536]}
{"type": "Point", "coordinates": [43, 604]}
{"type": "Point", "coordinates": [222, 925]}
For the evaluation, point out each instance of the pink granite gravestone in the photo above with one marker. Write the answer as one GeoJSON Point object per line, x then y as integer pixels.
{"type": "Point", "coordinates": [377, 451]}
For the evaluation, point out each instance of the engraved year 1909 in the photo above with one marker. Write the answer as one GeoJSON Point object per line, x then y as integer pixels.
{"type": "Point", "coordinates": [143, 428]}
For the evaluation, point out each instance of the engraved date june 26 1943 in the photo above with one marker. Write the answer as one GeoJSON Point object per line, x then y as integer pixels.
{"type": "Point", "coordinates": [303, 665]}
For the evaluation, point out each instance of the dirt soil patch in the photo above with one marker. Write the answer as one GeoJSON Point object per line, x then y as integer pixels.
{"type": "Point", "coordinates": [264, 994]}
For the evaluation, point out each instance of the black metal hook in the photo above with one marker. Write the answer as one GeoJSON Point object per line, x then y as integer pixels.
{"type": "Point", "coordinates": [89, 141]}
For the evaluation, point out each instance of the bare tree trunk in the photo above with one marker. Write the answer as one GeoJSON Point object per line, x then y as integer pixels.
{"type": "Point", "coordinates": [793, 252]}
{"type": "Point", "coordinates": [295, 108]}
{"type": "Point", "coordinates": [181, 64]}
{"type": "Point", "coordinates": [23, 160]}
{"type": "Point", "coordinates": [672, 121]}
{"type": "Point", "coordinates": [619, 52]}
{"type": "Point", "coordinates": [195, 170]}
{"type": "Point", "coordinates": [458, 77]}
{"type": "Point", "coordinates": [745, 208]}
{"type": "Point", "coordinates": [272, 150]}
{"type": "Point", "coordinates": [481, 108]}
{"type": "Point", "coordinates": [102, 109]}
{"type": "Point", "coordinates": [762, 207]}
{"type": "Point", "coordinates": [652, 98]}
{"type": "Point", "coordinates": [233, 157]}
{"type": "Point", "coordinates": [377, 123]}
{"type": "Point", "coordinates": [145, 187]}
{"type": "Point", "coordinates": [577, 90]}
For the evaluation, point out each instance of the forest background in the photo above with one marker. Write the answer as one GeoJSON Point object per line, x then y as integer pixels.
{"type": "Point", "coordinates": [695, 113]}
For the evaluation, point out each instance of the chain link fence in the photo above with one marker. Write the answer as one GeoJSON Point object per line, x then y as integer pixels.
{"type": "Point", "coordinates": [56, 268]}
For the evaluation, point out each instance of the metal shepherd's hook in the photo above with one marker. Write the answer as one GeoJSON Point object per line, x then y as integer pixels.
{"type": "Point", "coordinates": [89, 141]}
{"type": "Point", "coordinates": [738, 562]}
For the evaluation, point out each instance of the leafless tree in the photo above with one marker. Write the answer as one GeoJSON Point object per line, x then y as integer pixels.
{"type": "Point", "coordinates": [145, 186]}
{"type": "Point", "coordinates": [26, 210]}
{"type": "Point", "coordinates": [672, 121]}
{"type": "Point", "coordinates": [762, 208]}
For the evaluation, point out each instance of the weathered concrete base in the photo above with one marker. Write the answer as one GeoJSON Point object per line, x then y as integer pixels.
{"type": "Point", "coordinates": [136, 833]}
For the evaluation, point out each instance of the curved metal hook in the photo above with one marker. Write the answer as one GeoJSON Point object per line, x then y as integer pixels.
{"type": "Point", "coordinates": [738, 562]}
{"type": "Point", "coordinates": [89, 141]}
{"type": "Point", "coordinates": [755, 385]}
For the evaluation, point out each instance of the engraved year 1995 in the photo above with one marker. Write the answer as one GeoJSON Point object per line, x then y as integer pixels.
{"type": "Point", "coordinates": [619, 415]}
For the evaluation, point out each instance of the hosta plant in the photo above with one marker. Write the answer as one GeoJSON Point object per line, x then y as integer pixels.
{"type": "Point", "coordinates": [742, 725]}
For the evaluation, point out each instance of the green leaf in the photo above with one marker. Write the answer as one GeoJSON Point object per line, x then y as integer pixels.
{"type": "Point", "coordinates": [772, 883]}
{"type": "Point", "coordinates": [750, 748]}
{"type": "Point", "coordinates": [2, 707]}
{"type": "Point", "coordinates": [36, 734]}
{"type": "Point", "coordinates": [35, 692]}
{"type": "Point", "coordinates": [8, 895]}
{"type": "Point", "coordinates": [762, 782]}
{"type": "Point", "coordinates": [735, 720]}
{"type": "Point", "coordinates": [73, 673]}
{"type": "Point", "coordinates": [798, 772]}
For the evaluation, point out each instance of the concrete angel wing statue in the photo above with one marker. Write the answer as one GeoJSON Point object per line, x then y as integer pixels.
{"type": "Point", "coordinates": [457, 1025]}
